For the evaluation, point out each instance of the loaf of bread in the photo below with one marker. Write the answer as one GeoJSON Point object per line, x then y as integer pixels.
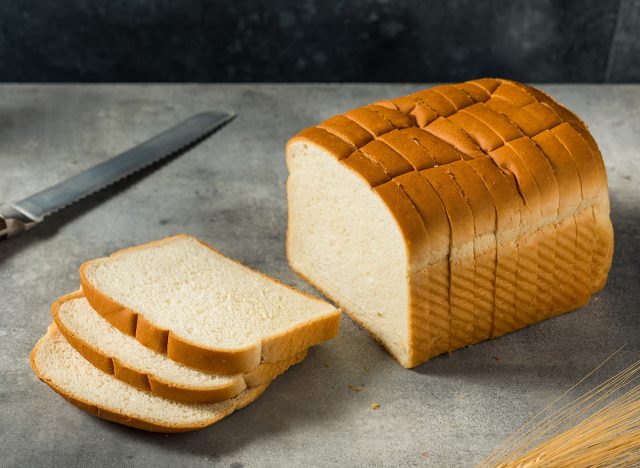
{"type": "Point", "coordinates": [450, 216]}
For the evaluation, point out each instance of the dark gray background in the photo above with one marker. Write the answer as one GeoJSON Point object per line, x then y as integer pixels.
{"type": "Point", "coordinates": [319, 40]}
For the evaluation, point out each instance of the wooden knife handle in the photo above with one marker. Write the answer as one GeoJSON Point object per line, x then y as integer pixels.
{"type": "Point", "coordinates": [13, 222]}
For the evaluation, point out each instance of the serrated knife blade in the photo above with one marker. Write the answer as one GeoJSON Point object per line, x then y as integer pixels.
{"type": "Point", "coordinates": [16, 217]}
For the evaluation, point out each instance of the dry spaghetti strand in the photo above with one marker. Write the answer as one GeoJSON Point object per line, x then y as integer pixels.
{"type": "Point", "coordinates": [600, 428]}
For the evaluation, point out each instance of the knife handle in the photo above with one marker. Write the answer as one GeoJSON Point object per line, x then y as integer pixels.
{"type": "Point", "coordinates": [13, 222]}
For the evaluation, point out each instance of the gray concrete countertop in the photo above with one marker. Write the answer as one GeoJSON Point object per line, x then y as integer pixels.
{"type": "Point", "coordinates": [230, 192]}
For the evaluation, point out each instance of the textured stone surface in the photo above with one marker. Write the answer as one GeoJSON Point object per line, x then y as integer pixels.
{"type": "Point", "coordinates": [316, 40]}
{"type": "Point", "coordinates": [230, 192]}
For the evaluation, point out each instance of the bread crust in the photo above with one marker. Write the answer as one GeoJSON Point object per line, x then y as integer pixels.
{"type": "Point", "coordinates": [263, 374]}
{"type": "Point", "coordinates": [114, 415]}
{"type": "Point", "coordinates": [211, 359]}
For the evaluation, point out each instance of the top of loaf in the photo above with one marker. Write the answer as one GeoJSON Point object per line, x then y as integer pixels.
{"type": "Point", "coordinates": [445, 124]}
{"type": "Point", "coordinates": [505, 131]}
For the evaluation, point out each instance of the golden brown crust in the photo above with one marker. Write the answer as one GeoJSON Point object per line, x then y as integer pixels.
{"type": "Point", "coordinates": [392, 162]}
{"type": "Point", "coordinates": [210, 359]}
{"type": "Point", "coordinates": [439, 151]}
{"type": "Point", "coordinates": [475, 92]}
{"type": "Point", "coordinates": [374, 173]}
{"type": "Point", "coordinates": [436, 101]}
{"type": "Point", "coordinates": [410, 149]}
{"type": "Point", "coordinates": [347, 130]}
{"type": "Point", "coordinates": [395, 117]}
{"type": "Point", "coordinates": [456, 96]}
{"type": "Point", "coordinates": [370, 120]}
{"type": "Point", "coordinates": [321, 137]}
{"type": "Point", "coordinates": [454, 136]}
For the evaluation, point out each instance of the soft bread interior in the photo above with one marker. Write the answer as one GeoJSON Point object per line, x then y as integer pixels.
{"type": "Point", "coordinates": [184, 286]}
{"type": "Point", "coordinates": [58, 364]}
{"type": "Point", "coordinates": [342, 237]}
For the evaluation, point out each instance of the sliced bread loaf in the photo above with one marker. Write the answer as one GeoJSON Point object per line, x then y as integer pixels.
{"type": "Point", "coordinates": [124, 357]}
{"type": "Point", "coordinates": [484, 211]}
{"type": "Point", "coordinates": [182, 298]}
{"type": "Point", "coordinates": [61, 367]}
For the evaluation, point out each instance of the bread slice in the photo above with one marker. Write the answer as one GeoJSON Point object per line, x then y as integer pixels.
{"type": "Point", "coordinates": [60, 366]}
{"type": "Point", "coordinates": [182, 298]}
{"type": "Point", "coordinates": [363, 229]}
{"type": "Point", "coordinates": [124, 357]}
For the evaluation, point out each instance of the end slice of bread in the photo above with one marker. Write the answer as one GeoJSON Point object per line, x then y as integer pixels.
{"type": "Point", "coordinates": [60, 366]}
{"type": "Point", "coordinates": [124, 357]}
{"type": "Point", "coordinates": [183, 298]}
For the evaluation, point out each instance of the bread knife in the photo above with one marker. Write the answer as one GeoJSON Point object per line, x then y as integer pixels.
{"type": "Point", "coordinates": [17, 217]}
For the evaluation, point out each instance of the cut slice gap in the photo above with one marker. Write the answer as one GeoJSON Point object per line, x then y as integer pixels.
{"type": "Point", "coordinates": [508, 207]}
{"type": "Point", "coordinates": [439, 151]}
{"type": "Point", "coordinates": [488, 84]}
{"type": "Point", "coordinates": [593, 179]}
{"type": "Point", "coordinates": [347, 129]}
{"type": "Point", "coordinates": [124, 357]}
{"type": "Point", "coordinates": [545, 179]}
{"type": "Point", "coordinates": [396, 118]}
{"type": "Point", "coordinates": [505, 129]}
{"type": "Point", "coordinates": [62, 368]}
{"type": "Point", "coordinates": [409, 148]}
{"type": "Point", "coordinates": [572, 199]}
{"type": "Point", "coordinates": [392, 162]}
{"type": "Point", "coordinates": [461, 279]}
{"type": "Point", "coordinates": [457, 98]}
{"type": "Point", "coordinates": [485, 246]}
{"type": "Point", "coordinates": [370, 120]}
{"type": "Point", "coordinates": [476, 93]}
{"type": "Point", "coordinates": [371, 171]}
{"type": "Point", "coordinates": [431, 321]}
{"type": "Point", "coordinates": [528, 306]}
{"type": "Point", "coordinates": [513, 94]}
{"type": "Point", "coordinates": [440, 104]}
{"type": "Point", "coordinates": [482, 135]}
{"type": "Point", "coordinates": [451, 134]}
{"type": "Point", "coordinates": [591, 176]}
